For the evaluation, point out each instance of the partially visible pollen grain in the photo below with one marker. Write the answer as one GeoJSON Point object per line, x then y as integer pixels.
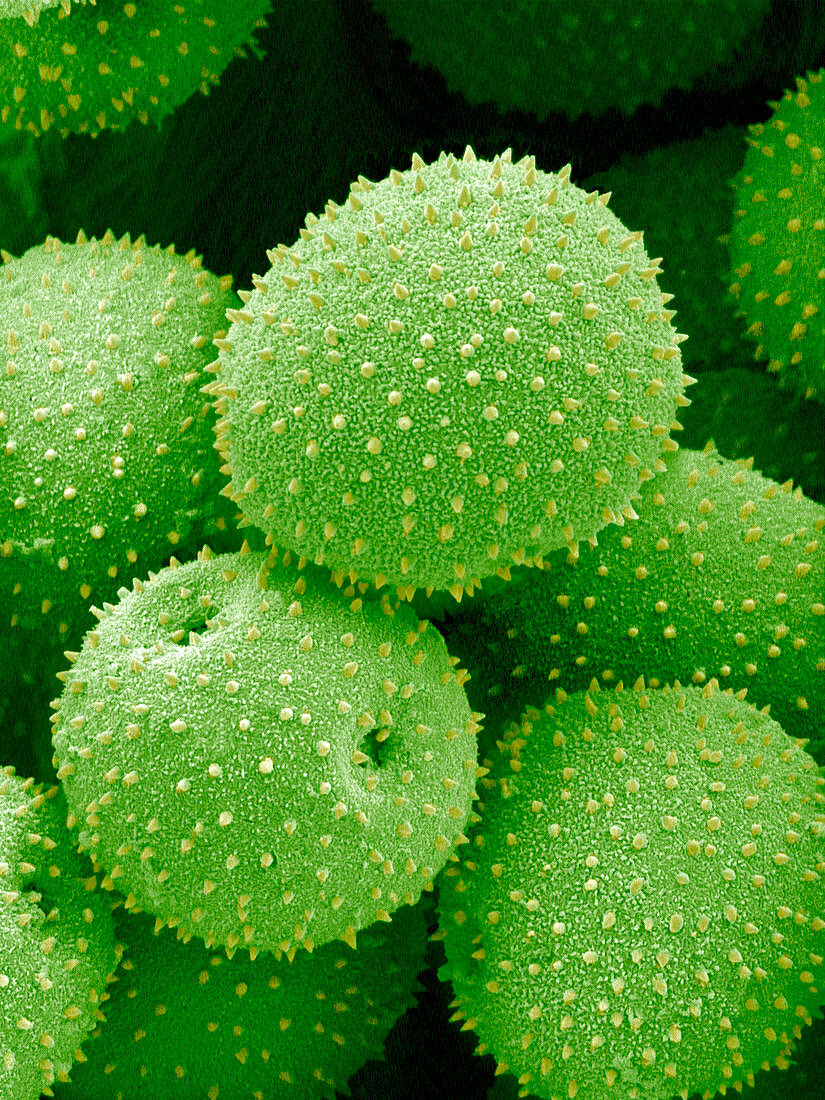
{"type": "Point", "coordinates": [185, 1019]}
{"type": "Point", "coordinates": [65, 68]}
{"type": "Point", "coordinates": [666, 895]}
{"type": "Point", "coordinates": [576, 59]}
{"type": "Point", "coordinates": [57, 945]}
{"type": "Point", "coordinates": [777, 242]}
{"type": "Point", "coordinates": [106, 456]}
{"type": "Point", "coordinates": [722, 575]}
{"type": "Point", "coordinates": [28, 9]}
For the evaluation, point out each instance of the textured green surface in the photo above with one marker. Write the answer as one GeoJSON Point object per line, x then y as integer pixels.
{"type": "Point", "coordinates": [185, 1023]}
{"type": "Point", "coordinates": [802, 1078]}
{"type": "Point", "coordinates": [572, 56]}
{"type": "Point", "coordinates": [261, 761]}
{"type": "Point", "coordinates": [778, 238]}
{"type": "Point", "coordinates": [83, 68]}
{"type": "Point", "coordinates": [106, 457]}
{"type": "Point", "coordinates": [334, 95]}
{"type": "Point", "coordinates": [29, 9]}
{"type": "Point", "coordinates": [465, 365]}
{"type": "Point", "coordinates": [722, 575]}
{"type": "Point", "coordinates": [57, 947]}
{"type": "Point", "coordinates": [639, 912]}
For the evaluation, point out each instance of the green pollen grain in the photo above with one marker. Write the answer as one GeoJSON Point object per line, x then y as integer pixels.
{"type": "Point", "coordinates": [461, 368]}
{"type": "Point", "coordinates": [261, 762]}
{"type": "Point", "coordinates": [84, 67]}
{"type": "Point", "coordinates": [57, 948]}
{"type": "Point", "coordinates": [639, 912]}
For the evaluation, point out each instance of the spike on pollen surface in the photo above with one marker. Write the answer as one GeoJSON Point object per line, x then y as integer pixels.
{"type": "Point", "coordinates": [581, 59]}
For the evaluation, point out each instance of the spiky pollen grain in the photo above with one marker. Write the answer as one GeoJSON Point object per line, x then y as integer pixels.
{"type": "Point", "coordinates": [462, 367]}
{"type": "Point", "coordinates": [777, 243]}
{"type": "Point", "coordinates": [261, 762]}
{"type": "Point", "coordinates": [77, 68]}
{"type": "Point", "coordinates": [183, 1021]}
{"type": "Point", "coordinates": [106, 456]}
{"type": "Point", "coordinates": [722, 575]}
{"type": "Point", "coordinates": [639, 913]}
{"type": "Point", "coordinates": [57, 949]}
